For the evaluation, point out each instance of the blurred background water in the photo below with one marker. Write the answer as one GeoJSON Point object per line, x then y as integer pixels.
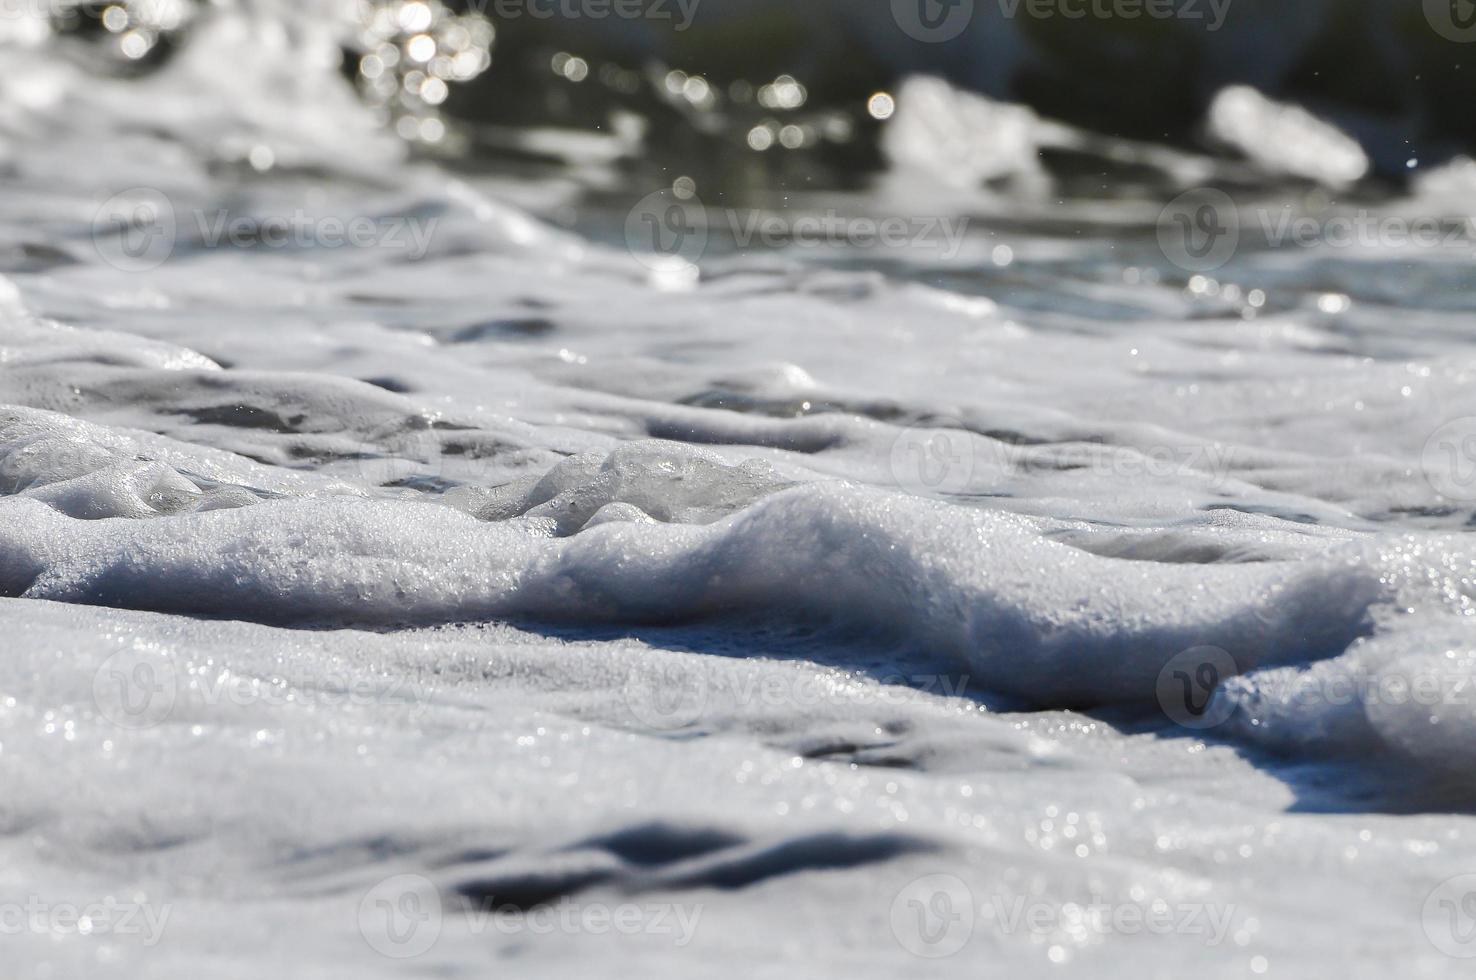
{"type": "Point", "coordinates": [696, 77]}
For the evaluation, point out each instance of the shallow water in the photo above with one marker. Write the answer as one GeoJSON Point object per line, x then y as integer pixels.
{"type": "Point", "coordinates": [867, 576]}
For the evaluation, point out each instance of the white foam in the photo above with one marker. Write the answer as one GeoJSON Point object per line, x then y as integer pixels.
{"type": "Point", "coordinates": [1285, 138]}
{"type": "Point", "coordinates": [785, 545]}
